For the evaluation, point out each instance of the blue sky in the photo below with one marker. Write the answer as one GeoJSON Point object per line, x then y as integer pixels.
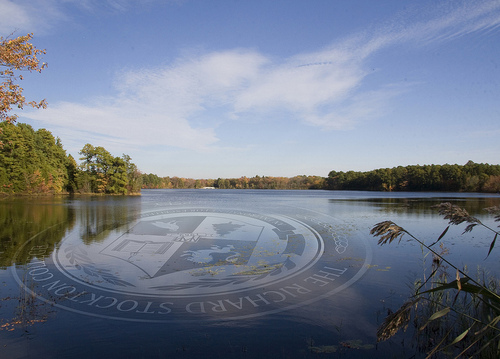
{"type": "Point", "coordinates": [217, 88]}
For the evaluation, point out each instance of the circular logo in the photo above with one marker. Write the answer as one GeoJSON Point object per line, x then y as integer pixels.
{"type": "Point", "coordinates": [190, 264]}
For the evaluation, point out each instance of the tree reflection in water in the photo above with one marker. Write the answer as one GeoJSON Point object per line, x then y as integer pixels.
{"type": "Point", "coordinates": [44, 222]}
{"type": "Point", "coordinates": [341, 325]}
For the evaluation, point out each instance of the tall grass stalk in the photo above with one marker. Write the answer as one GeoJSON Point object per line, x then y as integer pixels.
{"type": "Point", "coordinates": [455, 314]}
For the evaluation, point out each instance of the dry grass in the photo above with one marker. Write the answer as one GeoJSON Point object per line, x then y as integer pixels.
{"type": "Point", "coordinates": [463, 313]}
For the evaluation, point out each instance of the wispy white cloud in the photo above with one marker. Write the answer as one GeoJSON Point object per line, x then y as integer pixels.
{"type": "Point", "coordinates": [326, 88]}
{"type": "Point", "coordinates": [42, 16]}
{"type": "Point", "coordinates": [12, 15]}
{"type": "Point", "coordinates": [25, 16]}
{"type": "Point", "coordinates": [129, 124]}
{"type": "Point", "coordinates": [217, 87]}
{"type": "Point", "coordinates": [446, 21]}
{"type": "Point", "coordinates": [360, 107]}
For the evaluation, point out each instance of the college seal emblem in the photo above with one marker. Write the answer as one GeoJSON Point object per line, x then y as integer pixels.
{"type": "Point", "coordinates": [185, 264]}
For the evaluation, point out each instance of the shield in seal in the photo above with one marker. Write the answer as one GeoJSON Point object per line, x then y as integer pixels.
{"type": "Point", "coordinates": [181, 253]}
{"type": "Point", "coordinates": [189, 242]}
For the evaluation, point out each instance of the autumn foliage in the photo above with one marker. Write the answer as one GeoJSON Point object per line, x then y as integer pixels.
{"type": "Point", "coordinates": [17, 55]}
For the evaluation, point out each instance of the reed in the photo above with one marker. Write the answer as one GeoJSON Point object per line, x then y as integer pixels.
{"type": "Point", "coordinates": [454, 313]}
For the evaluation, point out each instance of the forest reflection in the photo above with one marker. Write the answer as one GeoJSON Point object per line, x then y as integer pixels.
{"type": "Point", "coordinates": [422, 206]}
{"type": "Point", "coordinates": [43, 221]}
{"type": "Point", "coordinates": [99, 216]}
{"type": "Point", "coordinates": [46, 221]}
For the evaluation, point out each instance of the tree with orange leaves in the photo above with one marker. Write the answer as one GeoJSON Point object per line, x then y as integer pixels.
{"type": "Point", "coordinates": [17, 55]}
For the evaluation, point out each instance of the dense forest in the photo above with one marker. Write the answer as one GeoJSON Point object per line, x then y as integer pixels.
{"type": "Point", "coordinates": [258, 182]}
{"type": "Point", "coordinates": [472, 177]}
{"type": "Point", "coordinates": [35, 162]}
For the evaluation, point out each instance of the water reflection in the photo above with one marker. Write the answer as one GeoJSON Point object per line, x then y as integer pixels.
{"type": "Point", "coordinates": [44, 222]}
{"type": "Point", "coordinates": [99, 216]}
{"type": "Point", "coordinates": [343, 323]}
{"type": "Point", "coordinates": [417, 206]}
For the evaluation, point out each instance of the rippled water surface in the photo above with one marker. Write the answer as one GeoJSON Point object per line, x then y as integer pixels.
{"type": "Point", "coordinates": [217, 273]}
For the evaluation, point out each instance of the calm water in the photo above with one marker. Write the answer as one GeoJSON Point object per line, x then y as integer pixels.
{"type": "Point", "coordinates": [217, 273]}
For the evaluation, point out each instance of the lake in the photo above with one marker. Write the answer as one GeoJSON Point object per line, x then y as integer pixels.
{"type": "Point", "coordinates": [219, 273]}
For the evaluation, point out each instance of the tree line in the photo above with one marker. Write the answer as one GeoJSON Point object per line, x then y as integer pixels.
{"type": "Point", "coordinates": [35, 162]}
{"type": "Point", "coordinates": [257, 182]}
{"type": "Point", "coordinates": [471, 177]}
